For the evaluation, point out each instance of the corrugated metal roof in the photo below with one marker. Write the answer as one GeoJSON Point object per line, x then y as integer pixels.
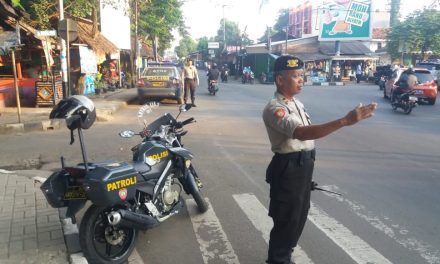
{"type": "Point", "coordinates": [347, 48]}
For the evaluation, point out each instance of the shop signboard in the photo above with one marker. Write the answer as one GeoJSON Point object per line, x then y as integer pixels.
{"type": "Point", "coordinates": [346, 20]}
{"type": "Point", "coordinates": [213, 45]}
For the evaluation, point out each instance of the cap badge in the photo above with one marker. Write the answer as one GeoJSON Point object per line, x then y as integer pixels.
{"type": "Point", "coordinates": [292, 63]}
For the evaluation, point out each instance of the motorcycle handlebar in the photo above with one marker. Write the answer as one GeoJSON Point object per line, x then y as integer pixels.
{"type": "Point", "coordinates": [188, 121]}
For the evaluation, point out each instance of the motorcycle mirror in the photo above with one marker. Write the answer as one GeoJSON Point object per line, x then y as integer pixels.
{"type": "Point", "coordinates": [127, 134]}
{"type": "Point", "coordinates": [185, 107]}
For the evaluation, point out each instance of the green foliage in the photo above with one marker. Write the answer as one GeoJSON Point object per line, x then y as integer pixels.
{"type": "Point", "coordinates": [282, 20]}
{"type": "Point", "coordinates": [264, 37]}
{"type": "Point", "coordinates": [158, 18]}
{"type": "Point", "coordinates": [232, 36]}
{"type": "Point", "coordinates": [186, 46]}
{"type": "Point", "coordinates": [17, 4]}
{"type": "Point", "coordinates": [419, 33]}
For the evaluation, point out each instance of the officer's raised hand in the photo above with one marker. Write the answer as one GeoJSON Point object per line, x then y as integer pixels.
{"type": "Point", "coordinates": [359, 113]}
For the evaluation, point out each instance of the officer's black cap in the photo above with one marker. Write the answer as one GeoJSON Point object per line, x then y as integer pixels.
{"type": "Point", "coordinates": [287, 62]}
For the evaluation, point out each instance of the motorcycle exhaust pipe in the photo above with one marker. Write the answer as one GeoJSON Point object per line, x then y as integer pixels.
{"type": "Point", "coordinates": [128, 219]}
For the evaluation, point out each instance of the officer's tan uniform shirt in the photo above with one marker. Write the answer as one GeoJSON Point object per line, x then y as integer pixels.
{"type": "Point", "coordinates": [190, 72]}
{"type": "Point", "coordinates": [281, 117]}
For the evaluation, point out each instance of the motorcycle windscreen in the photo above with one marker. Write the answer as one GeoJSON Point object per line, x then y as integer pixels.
{"type": "Point", "coordinates": [166, 119]}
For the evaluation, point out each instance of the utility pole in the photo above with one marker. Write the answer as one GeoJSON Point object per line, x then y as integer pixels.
{"type": "Point", "coordinates": [287, 37]}
{"type": "Point", "coordinates": [63, 56]}
{"type": "Point", "coordinates": [224, 28]}
{"type": "Point", "coordinates": [134, 69]}
{"type": "Point", "coordinates": [394, 13]}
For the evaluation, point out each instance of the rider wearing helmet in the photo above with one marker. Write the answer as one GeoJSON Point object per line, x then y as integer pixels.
{"type": "Point", "coordinates": [407, 82]}
{"type": "Point", "coordinates": [213, 73]}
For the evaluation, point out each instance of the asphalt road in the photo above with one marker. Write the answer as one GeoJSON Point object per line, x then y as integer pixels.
{"type": "Point", "coordinates": [386, 168]}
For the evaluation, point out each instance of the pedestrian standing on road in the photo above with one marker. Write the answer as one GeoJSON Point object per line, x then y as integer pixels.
{"type": "Point", "coordinates": [191, 81]}
{"type": "Point", "coordinates": [289, 174]}
{"type": "Point", "coordinates": [358, 73]}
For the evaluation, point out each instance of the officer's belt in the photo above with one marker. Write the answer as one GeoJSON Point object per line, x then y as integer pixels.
{"type": "Point", "coordinates": [298, 156]}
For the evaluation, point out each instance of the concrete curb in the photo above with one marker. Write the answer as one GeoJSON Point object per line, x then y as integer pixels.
{"type": "Point", "coordinates": [71, 238]}
{"type": "Point", "coordinates": [325, 84]}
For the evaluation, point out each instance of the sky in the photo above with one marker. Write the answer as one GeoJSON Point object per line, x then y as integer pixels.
{"type": "Point", "coordinates": [203, 16]}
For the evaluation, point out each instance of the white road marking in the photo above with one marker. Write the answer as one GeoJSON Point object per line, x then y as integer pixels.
{"type": "Point", "coordinates": [394, 231]}
{"type": "Point", "coordinates": [354, 246]}
{"type": "Point", "coordinates": [257, 214]}
{"type": "Point", "coordinates": [214, 243]}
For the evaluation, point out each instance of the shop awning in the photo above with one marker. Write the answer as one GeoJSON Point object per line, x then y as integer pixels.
{"type": "Point", "coordinates": [99, 43]}
{"type": "Point", "coordinates": [354, 57]}
{"type": "Point", "coordinates": [349, 48]}
{"type": "Point", "coordinates": [311, 56]}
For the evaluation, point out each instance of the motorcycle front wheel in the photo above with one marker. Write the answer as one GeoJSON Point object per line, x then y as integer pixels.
{"type": "Point", "coordinates": [407, 110]}
{"type": "Point", "coordinates": [102, 242]}
{"type": "Point", "coordinates": [197, 195]}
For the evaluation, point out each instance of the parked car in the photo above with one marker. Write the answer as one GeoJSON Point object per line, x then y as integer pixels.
{"type": "Point", "coordinates": [160, 81]}
{"type": "Point", "coordinates": [426, 89]}
{"type": "Point", "coordinates": [432, 66]}
{"type": "Point", "coordinates": [382, 73]}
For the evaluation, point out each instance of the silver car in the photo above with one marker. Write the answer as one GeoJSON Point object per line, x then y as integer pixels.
{"type": "Point", "coordinates": [160, 82]}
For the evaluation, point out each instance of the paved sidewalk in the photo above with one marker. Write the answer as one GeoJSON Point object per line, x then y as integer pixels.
{"type": "Point", "coordinates": [30, 229]}
{"type": "Point", "coordinates": [37, 119]}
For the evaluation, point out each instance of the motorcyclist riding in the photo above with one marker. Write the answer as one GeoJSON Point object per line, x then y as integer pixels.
{"type": "Point", "coordinates": [407, 82]}
{"type": "Point", "coordinates": [213, 74]}
{"type": "Point", "coordinates": [224, 73]}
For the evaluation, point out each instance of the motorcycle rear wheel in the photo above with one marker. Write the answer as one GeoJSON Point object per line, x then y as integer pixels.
{"type": "Point", "coordinates": [407, 110]}
{"type": "Point", "coordinates": [103, 243]}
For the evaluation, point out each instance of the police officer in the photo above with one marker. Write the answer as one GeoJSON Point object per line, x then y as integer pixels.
{"type": "Point", "coordinates": [191, 81]}
{"type": "Point", "coordinates": [289, 174]}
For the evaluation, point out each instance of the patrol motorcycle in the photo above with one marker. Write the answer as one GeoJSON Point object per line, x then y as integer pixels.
{"type": "Point", "coordinates": [125, 198]}
{"type": "Point", "coordinates": [406, 101]}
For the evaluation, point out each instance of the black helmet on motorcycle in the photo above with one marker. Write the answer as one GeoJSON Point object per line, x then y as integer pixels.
{"type": "Point", "coordinates": [78, 110]}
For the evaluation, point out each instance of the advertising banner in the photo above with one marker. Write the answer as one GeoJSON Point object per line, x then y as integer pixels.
{"type": "Point", "coordinates": [88, 60]}
{"type": "Point", "coordinates": [346, 20]}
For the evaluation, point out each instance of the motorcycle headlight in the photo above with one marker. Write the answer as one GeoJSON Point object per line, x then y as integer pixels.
{"type": "Point", "coordinates": [187, 163]}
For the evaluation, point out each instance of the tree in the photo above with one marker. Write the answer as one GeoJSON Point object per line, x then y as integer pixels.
{"type": "Point", "coordinates": [419, 33]}
{"type": "Point", "coordinates": [186, 46]}
{"type": "Point", "coordinates": [232, 36]}
{"type": "Point", "coordinates": [158, 18]}
{"type": "Point", "coordinates": [202, 47]}
{"type": "Point", "coordinates": [263, 39]}
{"type": "Point", "coordinates": [282, 20]}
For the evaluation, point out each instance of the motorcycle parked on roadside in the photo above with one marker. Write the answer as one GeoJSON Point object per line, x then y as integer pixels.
{"type": "Point", "coordinates": [406, 101]}
{"type": "Point", "coordinates": [213, 87]}
{"type": "Point", "coordinates": [124, 197]}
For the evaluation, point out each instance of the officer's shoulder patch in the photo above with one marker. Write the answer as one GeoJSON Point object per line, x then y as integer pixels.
{"type": "Point", "coordinates": [280, 112]}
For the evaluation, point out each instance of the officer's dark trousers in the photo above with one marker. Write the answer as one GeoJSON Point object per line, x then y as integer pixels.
{"type": "Point", "coordinates": [289, 176]}
{"type": "Point", "coordinates": [190, 87]}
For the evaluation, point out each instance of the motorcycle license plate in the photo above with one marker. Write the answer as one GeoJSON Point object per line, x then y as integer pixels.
{"type": "Point", "coordinates": [413, 98]}
{"type": "Point", "coordinates": [418, 91]}
{"type": "Point", "coordinates": [75, 193]}
{"type": "Point", "coordinates": [157, 84]}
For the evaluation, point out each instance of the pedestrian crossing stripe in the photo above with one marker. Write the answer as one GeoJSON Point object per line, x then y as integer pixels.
{"type": "Point", "coordinates": [258, 215]}
{"type": "Point", "coordinates": [360, 251]}
{"type": "Point", "coordinates": [208, 223]}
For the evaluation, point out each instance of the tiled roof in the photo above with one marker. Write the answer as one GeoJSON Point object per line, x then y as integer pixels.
{"type": "Point", "coordinates": [380, 33]}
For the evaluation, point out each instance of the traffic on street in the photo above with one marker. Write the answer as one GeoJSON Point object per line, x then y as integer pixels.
{"type": "Point", "coordinates": [385, 168]}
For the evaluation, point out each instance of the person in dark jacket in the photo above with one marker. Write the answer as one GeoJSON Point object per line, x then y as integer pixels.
{"type": "Point", "coordinates": [213, 74]}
